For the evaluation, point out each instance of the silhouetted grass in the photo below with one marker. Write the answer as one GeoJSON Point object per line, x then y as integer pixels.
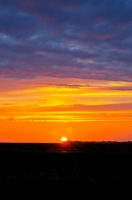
{"type": "Point", "coordinates": [74, 167]}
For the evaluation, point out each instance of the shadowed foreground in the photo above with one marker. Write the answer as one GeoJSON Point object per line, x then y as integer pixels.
{"type": "Point", "coordinates": [73, 167]}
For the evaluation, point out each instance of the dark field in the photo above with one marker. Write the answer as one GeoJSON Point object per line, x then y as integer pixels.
{"type": "Point", "coordinates": [70, 167]}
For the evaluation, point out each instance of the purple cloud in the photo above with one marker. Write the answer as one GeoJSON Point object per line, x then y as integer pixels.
{"type": "Point", "coordinates": [80, 38]}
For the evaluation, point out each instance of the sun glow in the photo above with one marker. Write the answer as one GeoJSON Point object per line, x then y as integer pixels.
{"type": "Point", "coordinates": [80, 109]}
{"type": "Point", "coordinates": [64, 139]}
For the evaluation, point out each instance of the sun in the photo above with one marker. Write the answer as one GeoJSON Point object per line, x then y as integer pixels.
{"type": "Point", "coordinates": [64, 139]}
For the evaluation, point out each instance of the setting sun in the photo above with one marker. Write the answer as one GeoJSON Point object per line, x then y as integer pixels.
{"type": "Point", "coordinates": [63, 139]}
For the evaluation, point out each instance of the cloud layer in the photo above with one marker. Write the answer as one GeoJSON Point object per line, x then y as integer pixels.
{"type": "Point", "coordinates": [63, 38]}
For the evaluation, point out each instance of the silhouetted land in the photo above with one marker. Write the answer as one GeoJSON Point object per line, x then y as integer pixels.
{"type": "Point", "coordinates": [70, 166]}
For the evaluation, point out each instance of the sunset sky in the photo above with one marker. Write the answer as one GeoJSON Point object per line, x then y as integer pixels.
{"type": "Point", "coordinates": [65, 70]}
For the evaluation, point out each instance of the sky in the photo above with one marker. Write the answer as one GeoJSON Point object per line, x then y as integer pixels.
{"type": "Point", "coordinates": [65, 70]}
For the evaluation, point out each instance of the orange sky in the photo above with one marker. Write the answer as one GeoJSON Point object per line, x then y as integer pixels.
{"type": "Point", "coordinates": [45, 109]}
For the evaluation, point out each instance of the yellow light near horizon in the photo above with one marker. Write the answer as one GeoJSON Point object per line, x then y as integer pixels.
{"type": "Point", "coordinates": [64, 139]}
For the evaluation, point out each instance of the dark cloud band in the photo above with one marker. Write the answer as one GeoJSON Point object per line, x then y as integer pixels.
{"type": "Point", "coordinates": [63, 38]}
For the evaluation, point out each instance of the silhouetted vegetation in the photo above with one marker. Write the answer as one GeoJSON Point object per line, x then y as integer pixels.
{"type": "Point", "coordinates": [75, 166]}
